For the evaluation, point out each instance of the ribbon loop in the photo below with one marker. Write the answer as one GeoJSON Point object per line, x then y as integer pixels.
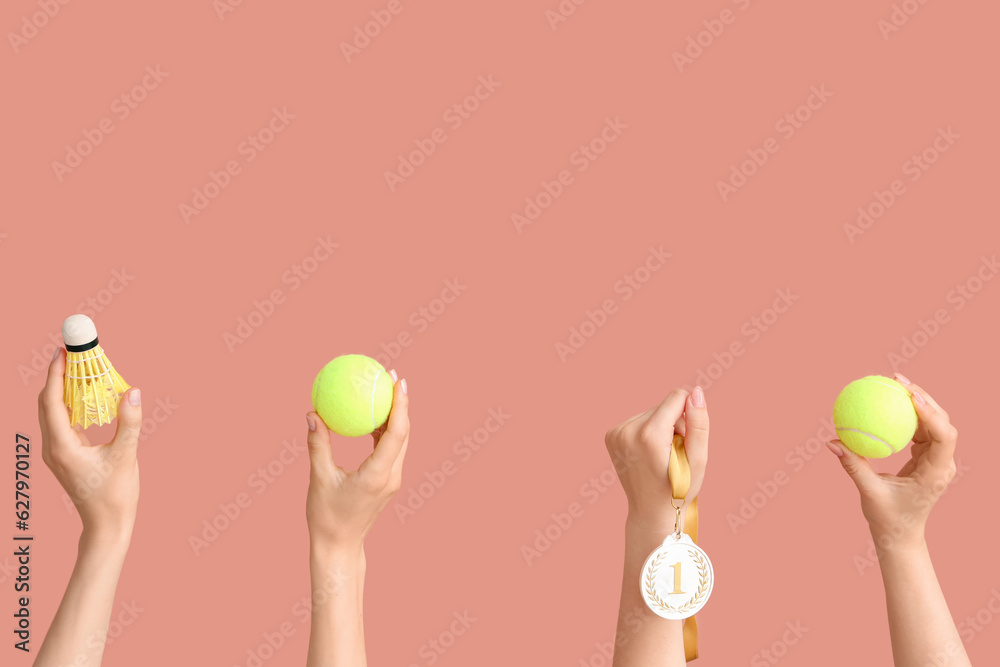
{"type": "Point", "coordinates": [679, 474]}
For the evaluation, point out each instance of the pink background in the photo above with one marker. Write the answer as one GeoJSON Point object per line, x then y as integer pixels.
{"type": "Point", "coordinates": [800, 558]}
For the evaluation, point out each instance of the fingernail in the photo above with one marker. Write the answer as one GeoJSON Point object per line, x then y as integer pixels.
{"type": "Point", "coordinates": [394, 376]}
{"type": "Point", "coordinates": [403, 385]}
{"type": "Point", "coordinates": [698, 398]}
{"type": "Point", "coordinates": [56, 353]}
{"type": "Point", "coordinates": [902, 378]}
{"type": "Point", "coordinates": [920, 399]}
{"type": "Point", "coordinates": [835, 449]}
{"type": "Point", "coordinates": [310, 422]}
{"type": "Point", "coordinates": [135, 397]}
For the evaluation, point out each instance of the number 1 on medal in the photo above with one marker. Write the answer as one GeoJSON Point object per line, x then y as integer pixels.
{"type": "Point", "coordinates": [677, 580]}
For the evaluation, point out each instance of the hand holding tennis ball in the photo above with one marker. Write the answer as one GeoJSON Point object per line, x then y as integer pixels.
{"type": "Point", "coordinates": [342, 505]}
{"type": "Point", "coordinates": [897, 506]}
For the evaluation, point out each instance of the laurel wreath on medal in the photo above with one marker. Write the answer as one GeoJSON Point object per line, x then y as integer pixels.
{"type": "Point", "coordinates": [690, 604]}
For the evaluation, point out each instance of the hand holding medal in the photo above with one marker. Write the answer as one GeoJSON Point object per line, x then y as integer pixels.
{"type": "Point", "coordinates": [677, 578]}
{"type": "Point", "coordinates": [660, 457]}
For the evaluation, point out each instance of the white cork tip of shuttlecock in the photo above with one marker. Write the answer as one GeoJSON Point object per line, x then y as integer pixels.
{"type": "Point", "coordinates": [78, 330]}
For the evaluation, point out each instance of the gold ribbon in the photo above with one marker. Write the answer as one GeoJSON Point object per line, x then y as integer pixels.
{"type": "Point", "coordinates": [679, 473]}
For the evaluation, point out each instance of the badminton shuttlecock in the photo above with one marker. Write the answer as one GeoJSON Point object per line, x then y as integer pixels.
{"type": "Point", "coordinates": [92, 387]}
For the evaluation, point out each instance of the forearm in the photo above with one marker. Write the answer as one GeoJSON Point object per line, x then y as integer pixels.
{"type": "Point", "coordinates": [643, 638]}
{"type": "Point", "coordinates": [80, 626]}
{"type": "Point", "coordinates": [920, 625]}
{"type": "Point", "coordinates": [337, 636]}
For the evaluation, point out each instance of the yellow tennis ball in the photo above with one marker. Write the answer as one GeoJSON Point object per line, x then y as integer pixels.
{"type": "Point", "coordinates": [874, 416]}
{"type": "Point", "coordinates": [353, 394]}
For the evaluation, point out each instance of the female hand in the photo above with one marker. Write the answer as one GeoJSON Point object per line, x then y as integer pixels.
{"type": "Point", "coordinates": [342, 505]}
{"type": "Point", "coordinates": [640, 450]}
{"type": "Point", "coordinates": [897, 506]}
{"type": "Point", "coordinates": [101, 480]}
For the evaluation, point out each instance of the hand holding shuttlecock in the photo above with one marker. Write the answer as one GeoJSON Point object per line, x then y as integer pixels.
{"type": "Point", "coordinates": [92, 386]}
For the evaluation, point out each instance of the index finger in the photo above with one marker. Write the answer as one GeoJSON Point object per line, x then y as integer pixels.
{"type": "Point", "coordinates": [942, 434]}
{"type": "Point", "coordinates": [655, 434]}
{"type": "Point", "coordinates": [663, 418]}
{"type": "Point", "coordinates": [903, 380]}
{"type": "Point", "coordinates": [397, 432]}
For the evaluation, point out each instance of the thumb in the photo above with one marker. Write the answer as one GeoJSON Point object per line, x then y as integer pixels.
{"type": "Point", "coordinates": [129, 419]}
{"type": "Point", "coordinates": [318, 441]}
{"type": "Point", "coordinates": [857, 467]}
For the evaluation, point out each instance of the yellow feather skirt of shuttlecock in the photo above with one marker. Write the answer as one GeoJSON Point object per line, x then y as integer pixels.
{"type": "Point", "coordinates": [92, 388]}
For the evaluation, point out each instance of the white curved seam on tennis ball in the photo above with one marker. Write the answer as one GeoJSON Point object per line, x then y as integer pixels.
{"type": "Point", "coordinates": [892, 386]}
{"type": "Point", "coordinates": [873, 437]}
{"type": "Point", "coordinates": [374, 387]}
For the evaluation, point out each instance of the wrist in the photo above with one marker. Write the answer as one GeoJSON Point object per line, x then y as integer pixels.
{"type": "Point", "coordinates": [890, 542]}
{"type": "Point", "coordinates": [336, 572]}
{"type": "Point", "coordinates": [108, 533]}
{"type": "Point", "coordinates": [650, 524]}
{"type": "Point", "coordinates": [106, 537]}
{"type": "Point", "coordinates": [643, 534]}
{"type": "Point", "coordinates": [346, 554]}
